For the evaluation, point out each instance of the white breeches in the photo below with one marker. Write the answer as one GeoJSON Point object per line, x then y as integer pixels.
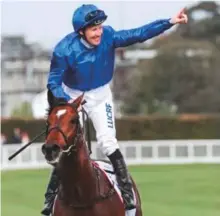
{"type": "Point", "coordinates": [99, 106]}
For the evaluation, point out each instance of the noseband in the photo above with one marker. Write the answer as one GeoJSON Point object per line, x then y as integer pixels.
{"type": "Point", "coordinates": [71, 147]}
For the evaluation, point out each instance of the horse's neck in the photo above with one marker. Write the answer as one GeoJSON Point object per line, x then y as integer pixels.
{"type": "Point", "coordinates": [77, 176]}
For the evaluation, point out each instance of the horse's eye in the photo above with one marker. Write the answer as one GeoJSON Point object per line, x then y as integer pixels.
{"type": "Point", "coordinates": [74, 120]}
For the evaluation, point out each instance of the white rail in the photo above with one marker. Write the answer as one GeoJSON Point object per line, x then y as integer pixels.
{"type": "Point", "coordinates": [135, 152]}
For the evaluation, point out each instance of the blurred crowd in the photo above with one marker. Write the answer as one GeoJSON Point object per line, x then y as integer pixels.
{"type": "Point", "coordinates": [18, 137]}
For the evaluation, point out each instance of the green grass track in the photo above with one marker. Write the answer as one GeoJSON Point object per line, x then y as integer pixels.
{"type": "Point", "coordinates": [174, 190]}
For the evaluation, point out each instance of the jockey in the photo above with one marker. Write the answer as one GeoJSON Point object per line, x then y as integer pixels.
{"type": "Point", "coordinates": [83, 62]}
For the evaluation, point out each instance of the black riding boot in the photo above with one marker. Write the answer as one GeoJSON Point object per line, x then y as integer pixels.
{"type": "Point", "coordinates": [50, 194]}
{"type": "Point", "coordinates": [124, 179]}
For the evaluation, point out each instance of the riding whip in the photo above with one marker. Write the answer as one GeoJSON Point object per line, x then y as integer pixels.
{"type": "Point", "coordinates": [25, 146]}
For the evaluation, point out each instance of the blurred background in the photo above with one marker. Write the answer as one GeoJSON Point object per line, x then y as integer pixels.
{"type": "Point", "coordinates": [166, 92]}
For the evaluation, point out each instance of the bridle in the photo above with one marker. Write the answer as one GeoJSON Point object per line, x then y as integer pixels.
{"type": "Point", "coordinates": [72, 145]}
{"type": "Point", "coordinates": [48, 130]}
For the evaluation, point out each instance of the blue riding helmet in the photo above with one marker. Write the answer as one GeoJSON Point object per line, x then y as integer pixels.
{"type": "Point", "coordinates": [87, 15]}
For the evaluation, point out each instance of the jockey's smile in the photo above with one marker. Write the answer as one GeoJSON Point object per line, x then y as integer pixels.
{"type": "Point", "coordinates": [93, 34]}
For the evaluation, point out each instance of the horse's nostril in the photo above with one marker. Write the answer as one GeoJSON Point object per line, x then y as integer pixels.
{"type": "Point", "coordinates": [56, 148]}
{"type": "Point", "coordinates": [43, 149]}
{"type": "Point", "coordinates": [49, 148]}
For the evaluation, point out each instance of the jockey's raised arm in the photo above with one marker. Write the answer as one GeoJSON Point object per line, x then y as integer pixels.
{"type": "Point", "coordinates": [138, 35]}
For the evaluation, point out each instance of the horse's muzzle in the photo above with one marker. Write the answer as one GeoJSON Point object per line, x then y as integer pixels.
{"type": "Point", "coordinates": [51, 152]}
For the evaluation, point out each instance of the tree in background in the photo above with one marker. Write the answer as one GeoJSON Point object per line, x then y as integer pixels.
{"type": "Point", "coordinates": [23, 111]}
{"type": "Point", "coordinates": [185, 74]}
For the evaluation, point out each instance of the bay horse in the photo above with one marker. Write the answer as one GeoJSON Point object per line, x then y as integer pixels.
{"type": "Point", "coordinates": [85, 189]}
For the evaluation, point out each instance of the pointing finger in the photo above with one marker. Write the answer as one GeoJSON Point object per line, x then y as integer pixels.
{"type": "Point", "coordinates": [183, 10]}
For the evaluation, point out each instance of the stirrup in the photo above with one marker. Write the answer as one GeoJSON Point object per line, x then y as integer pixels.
{"type": "Point", "coordinates": [46, 211]}
{"type": "Point", "coordinates": [128, 202]}
{"type": "Point", "coordinates": [128, 198]}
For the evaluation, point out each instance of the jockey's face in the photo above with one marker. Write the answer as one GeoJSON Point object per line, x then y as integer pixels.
{"type": "Point", "coordinates": [93, 34]}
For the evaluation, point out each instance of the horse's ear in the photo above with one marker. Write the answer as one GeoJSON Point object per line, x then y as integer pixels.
{"type": "Point", "coordinates": [78, 101]}
{"type": "Point", "coordinates": [54, 101]}
{"type": "Point", "coordinates": [50, 98]}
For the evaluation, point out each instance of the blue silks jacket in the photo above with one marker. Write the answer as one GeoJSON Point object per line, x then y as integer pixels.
{"type": "Point", "coordinates": [83, 68]}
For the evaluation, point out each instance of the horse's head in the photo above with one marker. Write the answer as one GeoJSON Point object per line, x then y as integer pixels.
{"type": "Point", "coordinates": [63, 128]}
